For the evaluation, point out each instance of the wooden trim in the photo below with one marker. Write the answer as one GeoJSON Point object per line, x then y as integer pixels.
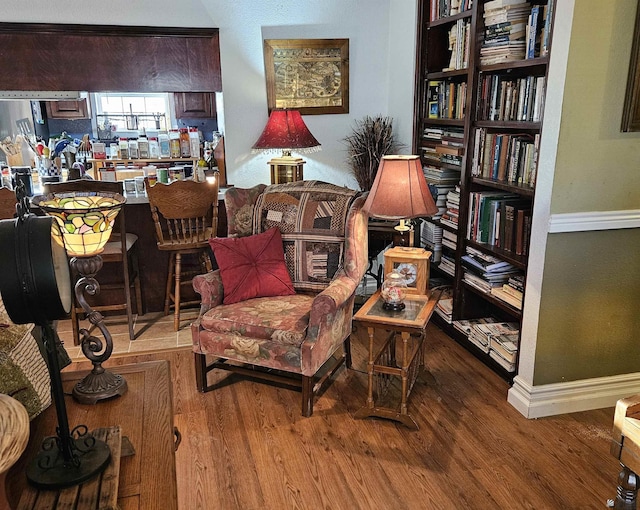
{"type": "Point", "coordinates": [94, 58]}
{"type": "Point", "coordinates": [631, 110]}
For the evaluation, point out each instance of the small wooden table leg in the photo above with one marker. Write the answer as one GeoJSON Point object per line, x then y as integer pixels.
{"type": "Point", "coordinates": [371, 332]}
{"type": "Point", "coordinates": [405, 372]}
{"type": "Point", "coordinates": [627, 492]}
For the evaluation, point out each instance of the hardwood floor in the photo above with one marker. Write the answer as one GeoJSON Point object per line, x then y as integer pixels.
{"type": "Point", "coordinates": [246, 446]}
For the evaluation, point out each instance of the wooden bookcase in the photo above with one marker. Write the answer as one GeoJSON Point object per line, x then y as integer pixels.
{"type": "Point", "coordinates": [462, 88]}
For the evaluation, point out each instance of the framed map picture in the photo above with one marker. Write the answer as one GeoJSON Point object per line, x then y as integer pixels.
{"type": "Point", "coordinates": [309, 75]}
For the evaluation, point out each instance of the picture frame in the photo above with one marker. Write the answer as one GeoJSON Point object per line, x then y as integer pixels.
{"type": "Point", "coordinates": [631, 108]}
{"type": "Point", "coordinates": [308, 75]}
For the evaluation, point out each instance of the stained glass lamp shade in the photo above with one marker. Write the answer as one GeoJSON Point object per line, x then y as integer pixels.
{"type": "Point", "coordinates": [86, 219]}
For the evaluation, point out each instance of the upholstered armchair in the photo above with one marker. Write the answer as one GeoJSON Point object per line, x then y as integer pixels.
{"type": "Point", "coordinates": [286, 338]}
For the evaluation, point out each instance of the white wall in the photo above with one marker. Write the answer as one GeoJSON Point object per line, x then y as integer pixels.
{"type": "Point", "coordinates": [381, 72]}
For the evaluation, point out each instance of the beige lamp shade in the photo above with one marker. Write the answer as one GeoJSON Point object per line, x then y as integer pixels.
{"type": "Point", "coordinates": [86, 219]}
{"type": "Point", "coordinates": [400, 190]}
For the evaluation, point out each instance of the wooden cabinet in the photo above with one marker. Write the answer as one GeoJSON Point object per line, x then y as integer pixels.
{"type": "Point", "coordinates": [478, 120]}
{"type": "Point", "coordinates": [67, 109]}
{"type": "Point", "coordinates": [195, 104]}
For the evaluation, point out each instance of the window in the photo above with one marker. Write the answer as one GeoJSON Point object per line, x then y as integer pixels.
{"type": "Point", "coordinates": [125, 114]}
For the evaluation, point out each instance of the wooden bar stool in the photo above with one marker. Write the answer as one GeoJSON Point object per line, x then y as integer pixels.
{"type": "Point", "coordinates": [121, 243]}
{"type": "Point", "coordinates": [185, 214]}
{"type": "Point", "coordinates": [7, 203]}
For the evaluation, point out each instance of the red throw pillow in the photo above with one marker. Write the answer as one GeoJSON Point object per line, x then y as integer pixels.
{"type": "Point", "coordinates": [252, 266]}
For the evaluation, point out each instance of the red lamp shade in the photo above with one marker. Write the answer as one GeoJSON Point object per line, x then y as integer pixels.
{"type": "Point", "coordinates": [400, 190]}
{"type": "Point", "coordinates": [285, 130]}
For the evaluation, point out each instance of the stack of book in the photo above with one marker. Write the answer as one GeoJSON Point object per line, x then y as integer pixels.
{"type": "Point", "coordinates": [503, 338]}
{"type": "Point", "coordinates": [499, 338]}
{"type": "Point", "coordinates": [505, 33]}
{"type": "Point", "coordinates": [459, 39]}
{"type": "Point", "coordinates": [451, 215]}
{"type": "Point", "coordinates": [449, 239]}
{"type": "Point", "coordinates": [446, 100]}
{"type": "Point", "coordinates": [465, 326]}
{"type": "Point", "coordinates": [431, 238]}
{"type": "Point", "coordinates": [485, 272]}
{"type": "Point", "coordinates": [446, 8]}
{"type": "Point", "coordinates": [439, 193]}
{"type": "Point", "coordinates": [447, 265]}
{"type": "Point", "coordinates": [505, 157]}
{"type": "Point", "coordinates": [511, 292]}
{"type": "Point", "coordinates": [501, 220]}
{"type": "Point", "coordinates": [444, 307]}
{"type": "Point", "coordinates": [508, 99]}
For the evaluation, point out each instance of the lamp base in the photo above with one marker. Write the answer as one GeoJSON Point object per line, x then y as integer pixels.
{"type": "Point", "coordinates": [98, 386]}
{"type": "Point", "coordinates": [286, 169]}
{"type": "Point", "coordinates": [49, 470]}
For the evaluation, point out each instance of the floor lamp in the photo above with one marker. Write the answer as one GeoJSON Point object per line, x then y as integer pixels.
{"type": "Point", "coordinates": [86, 220]}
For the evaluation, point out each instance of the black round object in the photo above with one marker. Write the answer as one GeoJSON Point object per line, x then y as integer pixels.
{"type": "Point", "coordinates": [35, 281]}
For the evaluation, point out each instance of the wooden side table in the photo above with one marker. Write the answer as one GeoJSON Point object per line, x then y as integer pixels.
{"type": "Point", "coordinates": [383, 365]}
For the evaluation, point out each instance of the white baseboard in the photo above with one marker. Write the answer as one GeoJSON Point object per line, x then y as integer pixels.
{"type": "Point", "coordinates": [594, 220]}
{"type": "Point", "coordinates": [571, 397]}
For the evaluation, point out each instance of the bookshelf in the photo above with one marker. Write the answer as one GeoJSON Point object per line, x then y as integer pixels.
{"type": "Point", "coordinates": [480, 90]}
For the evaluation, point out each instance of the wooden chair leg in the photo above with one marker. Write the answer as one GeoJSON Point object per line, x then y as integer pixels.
{"type": "Point", "coordinates": [201, 371]}
{"type": "Point", "coordinates": [127, 294]}
{"type": "Point", "coordinates": [167, 295]}
{"type": "Point", "coordinates": [176, 293]}
{"type": "Point", "coordinates": [75, 325]}
{"type": "Point", "coordinates": [347, 351]}
{"type": "Point", "coordinates": [136, 282]}
{"type": "Point", "coordinates": [307, 396]}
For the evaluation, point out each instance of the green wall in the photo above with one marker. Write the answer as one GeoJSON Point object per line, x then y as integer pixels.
{"type": "Point", "coordinates": [589, 323]}
{"type": "Point", "coordinates": [597, 167]}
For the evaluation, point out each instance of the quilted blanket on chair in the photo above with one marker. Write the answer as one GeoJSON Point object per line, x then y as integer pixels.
{"type": "Point", "coordinates": [311, 215]}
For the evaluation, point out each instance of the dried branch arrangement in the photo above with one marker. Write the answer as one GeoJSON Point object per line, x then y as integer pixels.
{"type": "Point", "coordinates": [371, 138]}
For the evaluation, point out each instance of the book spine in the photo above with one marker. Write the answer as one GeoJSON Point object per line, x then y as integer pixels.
{"type": "Point", "coordinates": [544, 49]}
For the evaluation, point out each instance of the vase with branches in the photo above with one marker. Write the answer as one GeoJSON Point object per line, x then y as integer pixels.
{"type": "Point", "coordinates": [370, 139]}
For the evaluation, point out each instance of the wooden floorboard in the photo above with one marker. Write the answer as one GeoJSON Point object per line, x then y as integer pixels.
{"type": "Point", "coordinates": [246, 446]}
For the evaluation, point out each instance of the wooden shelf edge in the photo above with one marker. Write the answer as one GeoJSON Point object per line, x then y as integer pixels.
{"type": "Point", "coordinates": [449, 19]}
{"type": "Point", "coordinates": [517, 314]}
{"type": "Point", "coordinates": [525, 191]}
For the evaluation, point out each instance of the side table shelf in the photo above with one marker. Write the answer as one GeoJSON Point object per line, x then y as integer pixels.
{"type": "Point", "coordinates": [410, 324]}
{"type": "Point", "coordinates": [99, 492]}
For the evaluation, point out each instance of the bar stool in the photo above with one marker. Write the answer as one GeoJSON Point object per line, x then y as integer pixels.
{"type": "Point", "coordinates": [121, 243]}
{"type": "Point", "coordinates": [185, 214]}
{"type": "Point", "coordinates": [7, 203]}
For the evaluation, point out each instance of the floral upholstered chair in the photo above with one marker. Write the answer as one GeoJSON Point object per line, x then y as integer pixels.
{"type": "Point", "coordinates": [281, 303]}
{"type": "Point", "coordinates": [238, 204]}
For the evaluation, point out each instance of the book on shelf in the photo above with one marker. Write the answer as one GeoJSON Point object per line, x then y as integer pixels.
{"type": "Point", "coordinates": [523, 218]}
{"type": "Point", "coordinates": [534, 30]}
{"type": "Point", "coordinates": [433, 101]}
{"type": "Point", "coordinates": [508, 366]}
{"type": "Point", "coordinates": [546, 31]}
{"type": "Point", "coordinates": [506, 346]}
{"type": "Point", "coordinates": [447, 265]}
{"type": "Point", "coordinates": [465, 326]}
{"type": "Point", "coordinates": [507, 297]}
{"type": "Point", "coordinates": [517, 282]}
{"type": "Point", "coordinates": [444, 308]}
{"type": "Point", "coordinates": [496, 4]}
